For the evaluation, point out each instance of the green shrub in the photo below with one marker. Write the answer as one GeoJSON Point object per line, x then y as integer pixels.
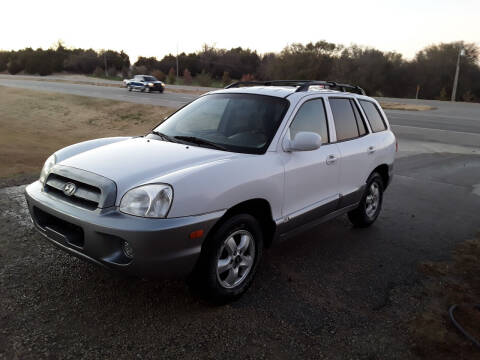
{"type": "Point", "coordinates": [171, 76]}
{"type": "Point", "coordinates": [443, 95]}
{"type": "Point", "coordinates": [468, 96]}
{"type": "Point", "coordinates": [204, 79]}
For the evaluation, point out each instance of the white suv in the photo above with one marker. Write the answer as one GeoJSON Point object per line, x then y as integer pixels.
{"type": "Point", "coordinates": [225, 176]}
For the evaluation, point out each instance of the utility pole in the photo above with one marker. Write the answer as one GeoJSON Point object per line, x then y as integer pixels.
{"type": "Point", "coordinates": [105, 58]}
{"type": "Point", "coordinates": [455, 80]}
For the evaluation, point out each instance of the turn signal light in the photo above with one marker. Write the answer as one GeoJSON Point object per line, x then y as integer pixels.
{"type": "Point", "coordinates": [196, 234]}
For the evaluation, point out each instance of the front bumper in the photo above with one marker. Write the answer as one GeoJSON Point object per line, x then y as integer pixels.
{"type": "Point", "coordinates": [156, 88]}
{"type": "Point", "coordinates": [162, 247]}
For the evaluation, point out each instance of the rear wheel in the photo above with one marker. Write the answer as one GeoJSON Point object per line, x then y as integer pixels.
{"type": "Point", "coordinates": [229, 260]}
{"type": "Point", "coordinates": [370, 204]}
{"type": "Point", "coordinates": [129, 88]}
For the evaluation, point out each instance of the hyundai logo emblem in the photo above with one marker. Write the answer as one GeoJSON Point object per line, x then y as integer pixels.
{"type": "Point", "coordinates": [69, 189]}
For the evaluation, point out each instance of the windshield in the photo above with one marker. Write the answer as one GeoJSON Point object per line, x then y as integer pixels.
{"type": "Point", "coordinates": [149, 78]}
{"type": "Point", "coordinates": [235, 122]}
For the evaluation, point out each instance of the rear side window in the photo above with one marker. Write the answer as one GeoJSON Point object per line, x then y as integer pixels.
{"type": "Point", "coordinates": [373, 115]}
{"type": "Point", "coordinates": [345, 120]}
{"type": "Point", "coordinates": [311, 117]}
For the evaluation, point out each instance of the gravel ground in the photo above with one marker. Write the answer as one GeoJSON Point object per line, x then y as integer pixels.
{"type": "Point", "coordinates": [56, 306]}
{"type": "Point", "coordinates": [333, 293]}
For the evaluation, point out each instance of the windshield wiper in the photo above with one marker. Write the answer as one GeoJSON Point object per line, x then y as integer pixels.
{"type": "Point", "coordinates": [164, 136]}
{"type": "Point", "coordinates": [200, 141]}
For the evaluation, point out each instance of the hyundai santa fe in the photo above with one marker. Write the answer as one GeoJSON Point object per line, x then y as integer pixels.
{"type": "Point", "coordinates": [206, 191]}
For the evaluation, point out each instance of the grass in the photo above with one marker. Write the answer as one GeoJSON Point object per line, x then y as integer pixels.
{"type": "Point", "coordinates": [115, 78]}
{"type": "Point", "coordinates": [214, 83]}
{"type": "Point", "coordinates": [35, 124]}
{"type": "Point", "coordinates": [408, 107]}
{"type": "Point", "coordinates": [448, 283]}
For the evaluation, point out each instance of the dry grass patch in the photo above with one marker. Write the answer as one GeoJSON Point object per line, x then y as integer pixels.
{"type": "Point", "coordinates": [409, 107]}
{"type": "Point", "coordinates": [449, 283]}
{"type": "Point", "coordinates": [35, 124]}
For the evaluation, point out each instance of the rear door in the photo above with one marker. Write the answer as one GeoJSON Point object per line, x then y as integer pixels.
{"type": "Point", "coordinates": [311, 177]}
{"type": "Point", "coordinates": [354, 144]}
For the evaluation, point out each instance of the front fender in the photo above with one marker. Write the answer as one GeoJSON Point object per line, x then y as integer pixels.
{"type": "Point", "coordinates": [81, 147]}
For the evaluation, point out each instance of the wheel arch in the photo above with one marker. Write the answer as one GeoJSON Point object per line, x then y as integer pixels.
{"type": "Point", "coordinates": [384, 171]}
{"type": "Point", "coordinates": [260, 209]}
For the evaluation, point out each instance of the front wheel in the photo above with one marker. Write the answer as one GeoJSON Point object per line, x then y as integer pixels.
{"type": "Point", "coordinates": [371, 203]}
{"type": "Point", "coordinates": [229, 259]}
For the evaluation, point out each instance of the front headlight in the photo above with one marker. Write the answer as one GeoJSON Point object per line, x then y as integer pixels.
{"type": "Point", "coordinates": [52, 160]}
{"type": "Point", "coordinates": [150, 84]}
{"type": "Point", "coordinates": [148, 201]}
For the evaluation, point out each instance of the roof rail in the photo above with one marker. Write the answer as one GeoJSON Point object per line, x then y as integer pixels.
{"type": "Point", "coordinates": [302, 85]}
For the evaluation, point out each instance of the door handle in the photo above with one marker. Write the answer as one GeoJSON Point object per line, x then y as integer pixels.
{"type": "Point", "coordinates": [331, 159]}
{"type": "Point", "coordinates": [371, 149]}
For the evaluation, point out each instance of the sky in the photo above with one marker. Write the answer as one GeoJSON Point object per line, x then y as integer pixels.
{"type": "Point", "coordinates": [156, 28]}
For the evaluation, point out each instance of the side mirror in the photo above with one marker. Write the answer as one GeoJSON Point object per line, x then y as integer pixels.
{"type": "Point", "coordinates": [303, 141]}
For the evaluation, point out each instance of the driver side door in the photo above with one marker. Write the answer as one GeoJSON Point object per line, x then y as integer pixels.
{"type": "Point", "coordinates": [311, 177]}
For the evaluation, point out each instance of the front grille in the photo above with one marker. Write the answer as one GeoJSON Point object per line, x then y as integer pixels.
{"type": "Point", "coordinates": [86, 195]}
{"type": "Point", "coordinates": [72, 233]}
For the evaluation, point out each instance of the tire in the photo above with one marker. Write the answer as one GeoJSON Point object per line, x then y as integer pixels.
{"type": "Point", "coordinates": [371, 203]}
{"type": "Point", "coordinates": [129, 88]}
{"type": "Point", "coordinates": [226, 269]}
{"type": "Point", "coordinates": [161, 91]}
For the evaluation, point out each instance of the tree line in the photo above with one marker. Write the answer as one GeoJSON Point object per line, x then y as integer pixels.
{"type": "Point", "coordinates": [429, 74]}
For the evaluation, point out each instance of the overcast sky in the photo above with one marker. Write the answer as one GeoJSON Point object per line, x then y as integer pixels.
{"type": "Point", "coordinates": [154, 28]}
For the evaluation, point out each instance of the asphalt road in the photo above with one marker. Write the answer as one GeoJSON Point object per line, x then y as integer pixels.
{"type": "Point", "coordinates": [335, 292]}
{"type": "Point", "coordinates": [169, 99]}
{"type": "Point", "coordinates": [452, 123]}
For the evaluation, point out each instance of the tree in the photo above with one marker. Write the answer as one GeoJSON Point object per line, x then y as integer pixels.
{"type": "Point", "coordinates": [247, 77]}
{"type": "Point", "coordinates": [171, 76]}
{"type": "Point", "coordinates": [160, 75]}
{"type": "Point", "coordinates": [4, 58]}
{"type": "Point", "coordinates": [187, 77]}
{"type": "Point", "coordinates": [226, 80]}
{"type": "Point", "coordinates": [204, 79]}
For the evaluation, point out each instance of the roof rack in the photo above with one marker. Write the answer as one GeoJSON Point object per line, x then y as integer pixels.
{"type": "Point", "coordinates": [302, 85]}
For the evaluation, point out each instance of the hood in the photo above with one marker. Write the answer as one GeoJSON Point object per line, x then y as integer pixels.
{"type": "Point", "coordinates": [139, 160]}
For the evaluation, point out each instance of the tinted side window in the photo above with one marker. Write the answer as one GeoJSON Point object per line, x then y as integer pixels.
{"type": "Point", "coordinates": [311, 117]}
{"type": "Point", "coordinates": [362, 130]}
{"type": "Point", "coordinates": [373, 115]}
{"type": "Point", "coordinates": [344, 118]}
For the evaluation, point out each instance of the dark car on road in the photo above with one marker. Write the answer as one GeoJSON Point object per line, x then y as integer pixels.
{"type": "Point", "coordinates": [146, 83]}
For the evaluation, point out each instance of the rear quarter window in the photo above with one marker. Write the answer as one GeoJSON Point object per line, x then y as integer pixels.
{"type": "Point", "coordinates": [374, 116]}
{"type": "Point", "coordinates": [344, 118]}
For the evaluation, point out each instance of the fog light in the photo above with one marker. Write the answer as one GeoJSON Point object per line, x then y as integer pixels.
{"type": "Point", "coordinates": [127, 250]}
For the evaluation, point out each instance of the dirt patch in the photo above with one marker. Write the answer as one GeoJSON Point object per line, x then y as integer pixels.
{"type": "Point", "coordinates": [35, 124]}
{"type": "Point", "coordinates": [448, 283]}
{"type": "Point", "coordinates": [408, 107]}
